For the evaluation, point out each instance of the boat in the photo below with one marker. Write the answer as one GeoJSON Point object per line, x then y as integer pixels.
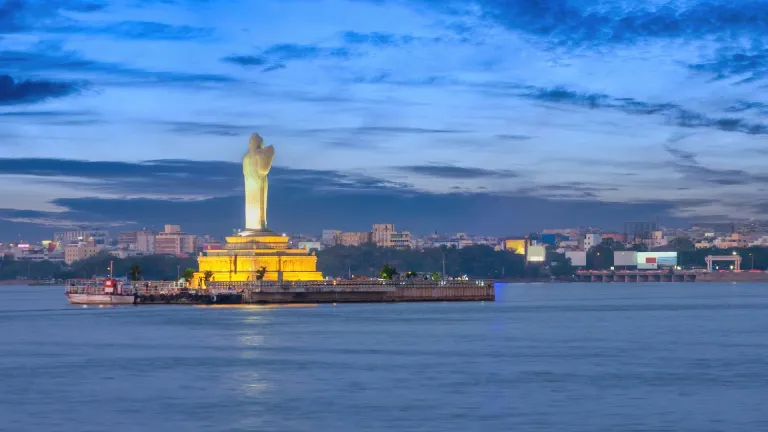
{"type": "Point", "coordinates": [108, 291]}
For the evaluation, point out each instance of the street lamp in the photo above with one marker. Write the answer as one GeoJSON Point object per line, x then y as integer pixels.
{"type": "Point", "coordinates": [753, 261]}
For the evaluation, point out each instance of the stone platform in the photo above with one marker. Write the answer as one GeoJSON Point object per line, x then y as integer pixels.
{"type": "Point", "coordinates": [249, 251]}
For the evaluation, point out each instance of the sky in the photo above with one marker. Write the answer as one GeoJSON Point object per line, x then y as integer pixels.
{"type": "Point", "coordinates": [493, 117]}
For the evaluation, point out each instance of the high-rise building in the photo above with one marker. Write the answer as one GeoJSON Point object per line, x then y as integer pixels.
{"type": "Point", "coordinates": [592, 240]}
{"type": "Point", "coordinates": [145, 241]}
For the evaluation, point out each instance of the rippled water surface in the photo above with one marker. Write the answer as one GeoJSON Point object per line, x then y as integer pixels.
{"type": "Point", "coordinates": [571, 357]}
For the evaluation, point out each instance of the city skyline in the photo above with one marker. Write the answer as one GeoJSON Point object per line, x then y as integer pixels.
{"type": "Point", "coordinates": [445, 116]}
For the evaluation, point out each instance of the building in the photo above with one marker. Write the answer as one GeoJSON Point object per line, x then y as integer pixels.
{"type": "Point", "coordinates": [384, 235]}
{"type": "Point", "coordinates": [331, 237]}
{"type": "Point", "coordinates": [731, 241]}
{"type": "Point", "coordinates": [173, 241]}
{"type": "Point", "coordinates": [355, 238]}
{"type": "Point", "coordinates": [99, 237]}
{"type": "Point", "coordinates": [617, 237]}
{"type": "Point", "coordinates": [79, 251]}
{"type": "Point", "coordinates": [592, 240]}
{"type": "Point", "coordinates": [127, 240]}
{"type": "Point", "coordinates": [145, 242]}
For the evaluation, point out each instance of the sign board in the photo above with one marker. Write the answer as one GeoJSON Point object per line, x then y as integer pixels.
{"type": "Point", "coordinates": [624, 259]}
{"type": "Point", "coordinates": [578, 258]}
{"type": "Point", "coordinates": [536, 253]}
{"type": "Point", "coordinates": [655, 260]}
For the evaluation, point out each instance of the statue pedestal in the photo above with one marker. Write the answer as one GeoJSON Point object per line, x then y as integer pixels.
{"type": "Point", "coordinates": [246, 253]}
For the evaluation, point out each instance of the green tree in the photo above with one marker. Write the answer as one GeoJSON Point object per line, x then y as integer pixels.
{"type": "Point", "coordinates": [387, 272]}
{"type": "Point", "coordinates": [135, 272]}
{"type": "Point", "coordinates": [410, 274]}
{"type": "Point", "coordinates": [682, 244]}
{"type": "Point", "coordinates": [562, 269]}
{"type": "Point", "coordinates": [188, 274]}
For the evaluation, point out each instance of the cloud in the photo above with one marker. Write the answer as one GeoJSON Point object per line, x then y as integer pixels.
{"type": "Point", "coordinates": [726, 64]}
{"type": "Point", "coordinates": [31, 91]}
{"type": "Point", "coordinates": [572, 23]}
{"type": "Point", "coordinates": [24, 15]}
{"type": "Point", "coordinates": [206, 197]}
{"type": "Point", "coordinates": [377, 39]}
{"type": "Point", "coordinates": [455, 172]}
{"type": "Point", "coordinates": [53, 59]}
{"type": "Point", "coordinates": [245, 60]}
{"type": "Point", "coordinates": [277, 56]}
{"type": "Point", "coordinates": [138, 30]}
{"type": "Point", "coordinates": [513, 137]}
{"type": "Point", "coordinates": [686, 164]}
{"type": "Point", "coordinates": [673, 114]}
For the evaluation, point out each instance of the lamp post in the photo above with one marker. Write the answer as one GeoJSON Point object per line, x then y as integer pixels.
{"type": "Point", "coordinates": [752, 267]}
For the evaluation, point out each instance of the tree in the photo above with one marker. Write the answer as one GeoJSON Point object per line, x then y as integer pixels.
{"type": "Point", "coordinates": [260, 273]}
{"type": "Point", "coordinates": [188, 274]}
{"type": "Point", "coordinates": [410, 274]}
{"type": "Point", "coordinates": [434, 276]}
{"type": "Point", "coordinates": [135, 272]}
{"type": "Point", "coordinates": [562, 269]}
{"type": "Point", "coordinates": [682, 244]}
{"type": "Point", "coordinates": [388, 272]}
{"type": "Point", "coordinates": [207, 276]}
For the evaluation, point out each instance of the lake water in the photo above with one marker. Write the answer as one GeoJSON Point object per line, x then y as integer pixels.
{"type": "Point", "coordinates": [560, 357]}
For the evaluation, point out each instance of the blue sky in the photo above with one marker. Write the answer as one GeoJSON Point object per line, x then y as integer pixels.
{"type": "Point", "coordinates": [488, 116]}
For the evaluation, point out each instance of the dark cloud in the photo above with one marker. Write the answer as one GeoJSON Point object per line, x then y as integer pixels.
{"type": "Point", "coordinates": [455, 172]}
{"type": "Point", "coordinates": [14, 92]}
{"type": "Point", "coordinates": [741, 106]}
{"type": "Point", "coordinates": [685, 163]}
{"type": "Point", "coordinates": [727, 64]}
{"type": "Point", "coordinates": [674, 114]}
{"type": "Point", "coordinates": [148, 30]}
{"type": "Point", "coordinates": [570, 23]}
{"type": "Point", "coordinates": [53, 59]}
{"type": "Point", "coordinates": [278, 56]}
{"type": "Point", "coordinates": [300, 200]}
{"type": "Point", "coordinates": [27, 15]}
{"type": "Point", "coordinates": [377, 39]}
{"type": "Point", "coordinates": [245, 60]}
{"type": "Point", "coordinates": [512, 137]}
{"type": "Point", "coordinates": [216, 129]}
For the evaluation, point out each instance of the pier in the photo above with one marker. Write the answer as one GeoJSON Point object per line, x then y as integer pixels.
{"type": "Point", "coordinates": [352, 291]}
{"type": "Point", "coordinates": [269, 292]}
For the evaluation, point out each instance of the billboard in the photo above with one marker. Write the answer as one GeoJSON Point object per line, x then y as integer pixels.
{"type": "Point", "coordinates": [578, 258]}
{"type": "Point", "coordinates": [624, 259]}
{"type": "Point", "coordinates": [654, 260]}
{"type": "Point", "coordinates": [536, 253]}
{"type": "Point", "coordinates": [515, 245]}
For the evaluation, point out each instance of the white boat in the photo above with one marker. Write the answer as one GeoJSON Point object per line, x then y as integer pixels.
{"type": "Point", "coordinates": [100, 299]}
{"type": "Point", "coordinates": [107, 292]}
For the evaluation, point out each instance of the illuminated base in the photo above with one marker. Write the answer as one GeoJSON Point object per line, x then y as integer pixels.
{"type": "Point", "coordinates": [246, 253]}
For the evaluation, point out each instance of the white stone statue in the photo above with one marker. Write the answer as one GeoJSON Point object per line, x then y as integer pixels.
{"type": "Point", "coordinates": [256, 165]}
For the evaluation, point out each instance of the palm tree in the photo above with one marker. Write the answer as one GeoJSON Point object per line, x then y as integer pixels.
{"type": "Point", "coordinates": [260, 273]}
{"type": "Point", "coordinates": [135, 272]}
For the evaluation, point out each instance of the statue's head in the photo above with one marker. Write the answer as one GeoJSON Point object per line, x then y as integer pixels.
{"type": "Point", "coordinates": [256, 142]}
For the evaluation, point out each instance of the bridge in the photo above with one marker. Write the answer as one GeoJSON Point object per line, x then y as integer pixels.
{"type": "Point", "coordinates": [636, 276]}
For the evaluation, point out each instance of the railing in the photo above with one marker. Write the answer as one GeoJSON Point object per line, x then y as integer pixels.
{"type": "Point", "coordinates": [96, 286]}
{"type": "Point", "coordinates": [371, 285]}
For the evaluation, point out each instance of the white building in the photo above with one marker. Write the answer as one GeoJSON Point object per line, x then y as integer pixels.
{"type": "Point", "coordinates": [99, 237]}
{"type": "Point", "coordinates": [592, 240]}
